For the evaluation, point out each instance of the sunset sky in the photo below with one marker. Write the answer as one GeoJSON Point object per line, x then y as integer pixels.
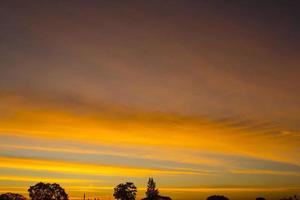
{"type": "Point", "coordinates": [203, 96]}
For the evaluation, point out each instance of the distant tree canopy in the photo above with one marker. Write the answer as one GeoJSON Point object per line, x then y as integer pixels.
{"type": "Point", "coordinates": [151, 193]}
{"type": "Point", "coordinates": [11, 196]}
{"type": "Point", "coordinates": [125, 191]}
{"type": "Point", "coordinates": [47, 191]}
{"type": "Point", "coordinates": [217, 197]}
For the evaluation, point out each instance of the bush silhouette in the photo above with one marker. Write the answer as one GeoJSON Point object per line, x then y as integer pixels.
{"type": "Point", "coordinates": [125, 191]}
{"type": "Point", "coordinates": [217, 197]}
{"type": "Point", "coordinates": [260, 198]}
{"type": "Point", "coordinates": [11, 196]}
{"type": "Point", "coordinates": [47, 191]}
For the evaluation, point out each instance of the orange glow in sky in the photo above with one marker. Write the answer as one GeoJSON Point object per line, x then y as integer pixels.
{"type": "Point", "coordinates": [203, 96]}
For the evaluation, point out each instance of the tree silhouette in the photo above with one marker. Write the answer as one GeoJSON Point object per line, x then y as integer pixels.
{"type": "Point", "coordinates": [217, 197]}
{"type": "Point", "coordinates": [47, 191]}
{"type": "Point", "coordinates": [125, 191]}
{"type": "Point", "coordinates": [151, 193]}
{"type": "Point", "coordinates": [11, 196]}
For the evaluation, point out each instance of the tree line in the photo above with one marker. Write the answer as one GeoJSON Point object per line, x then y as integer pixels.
{"type": "Point", "coordinates": [123, 191]}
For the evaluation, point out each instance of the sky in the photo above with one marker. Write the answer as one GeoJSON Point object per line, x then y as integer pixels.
{"type": "Point", "coordinates": [203, 96]}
